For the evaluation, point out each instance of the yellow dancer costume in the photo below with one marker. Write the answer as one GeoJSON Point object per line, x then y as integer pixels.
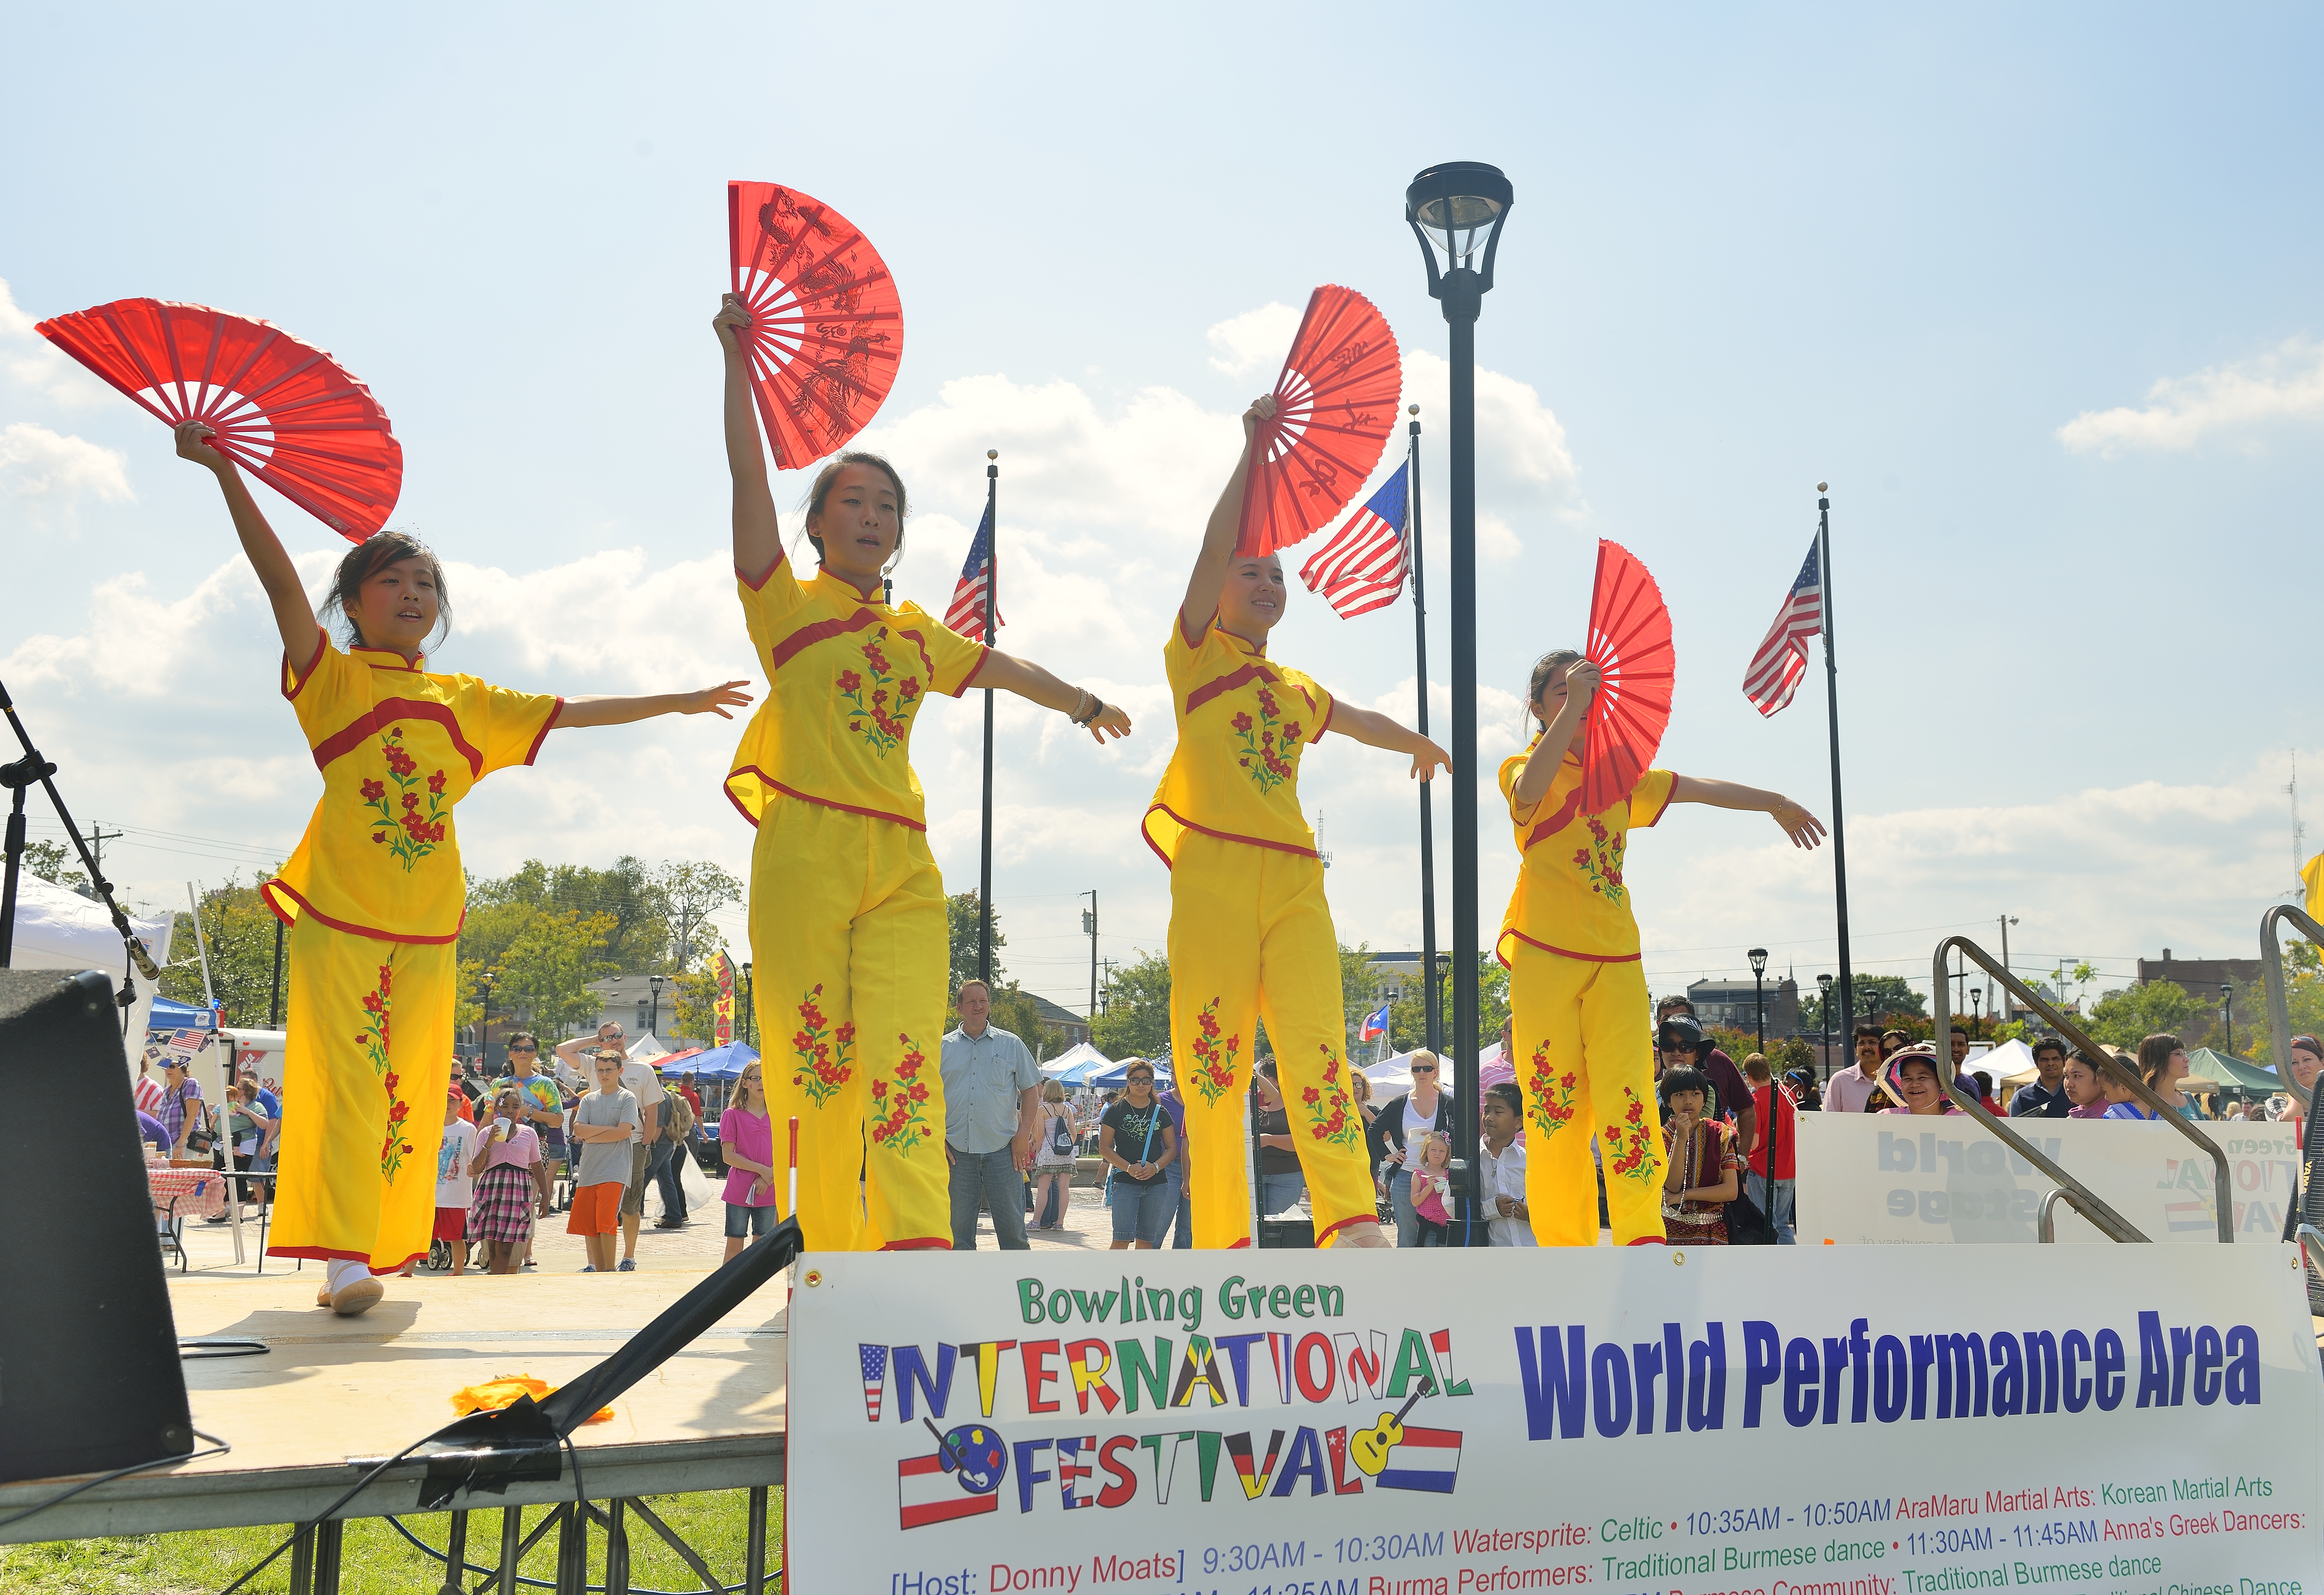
{"type": "Point", "coordinates": [1579, 1012]}
{"type": "Point", "coordinates": [848, 929]}
{"type": "Point", "coordinates": [374, 897]}
{"type": "Point", "coordinates": [1250, 935]}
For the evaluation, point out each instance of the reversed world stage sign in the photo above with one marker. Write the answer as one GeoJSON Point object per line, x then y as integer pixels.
{"type": "Point", "coordinates": [1898, 1179]}
{"type": "Point", "coordinates": [1826, 1421]}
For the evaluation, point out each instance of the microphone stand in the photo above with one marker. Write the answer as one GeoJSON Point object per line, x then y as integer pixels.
{"type": "Point", "coordinates": [17, 776]}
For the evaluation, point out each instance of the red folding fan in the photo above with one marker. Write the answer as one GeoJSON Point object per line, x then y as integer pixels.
{"type": "Point", "coordinates": [1335, 406]}
{"type": "Point", "coordinates": [1630, 644]}
{"type": "Point", "coordinates": [826, 325]}
{"type": "Point", "coordinates": [282, 410]}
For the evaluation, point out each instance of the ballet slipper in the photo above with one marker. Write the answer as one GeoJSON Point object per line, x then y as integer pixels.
{"type": "Point", "coordinates": [355, 1296]}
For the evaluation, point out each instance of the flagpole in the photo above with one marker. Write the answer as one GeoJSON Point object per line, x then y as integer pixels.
{"type": "Point", "coordinates": [991, 609]}
{"type": "Point", "coordinates": [1428, 982]}
{"type": "Point", "coordinates": [1838, 841]}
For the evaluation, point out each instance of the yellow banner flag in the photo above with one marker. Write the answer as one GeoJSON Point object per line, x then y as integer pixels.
{"type": "Point", "coordinates": [726, 1005]}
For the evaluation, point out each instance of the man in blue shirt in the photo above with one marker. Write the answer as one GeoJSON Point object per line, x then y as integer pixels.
{"type": "Point", "coordinates": [992, 1094]}
{"type": "Point", "coordinates": [2045, 1098]}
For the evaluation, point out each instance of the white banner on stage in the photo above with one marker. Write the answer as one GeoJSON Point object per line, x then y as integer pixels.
{"type": "Point", "coordinates": [1888, 1179]}
{"type": "Point", "coordinates": [1863, 1421]}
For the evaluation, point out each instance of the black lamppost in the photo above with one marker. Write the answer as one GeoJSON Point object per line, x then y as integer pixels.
{"type": "Point", "coordinates": [1823, 983]}
{"type": "Point", "coordinates": [2227, 1014]}
{"type": "Point", "coordinates": [1977, 1012]}
{"type": "Point", "coordinates": [653, 1020]}
{"type": "Point", "coordinates": [1758, 956]}
{"type": "Point", "coordinates": [1457, 208]}
{"type": "Point", "coordinates": [750, 1012]}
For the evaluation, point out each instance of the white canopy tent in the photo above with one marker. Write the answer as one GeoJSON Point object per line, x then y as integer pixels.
{"type": "Point", "coordinates": [61, 929]}
{"type": "Point", "coordinates": [1073, 1057]}
{"type": "Point", "coordinates": [2010, 1065]}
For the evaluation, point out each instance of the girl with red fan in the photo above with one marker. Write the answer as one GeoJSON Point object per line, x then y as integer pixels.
{"type": "Point", "coordinates": [848, 925]}
{"type": "Point", "coordinates": [1250, 933]}
{"type": "Point", "coordinates": [374, 893]}
{"type": "Point", "coordinates": [1577, 995]}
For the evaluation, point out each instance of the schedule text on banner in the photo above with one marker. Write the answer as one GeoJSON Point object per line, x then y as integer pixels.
{"type": "Point", "coordinates": [1894, 1179]}
{"type": "Point", "coordinates": [1824, 1421]}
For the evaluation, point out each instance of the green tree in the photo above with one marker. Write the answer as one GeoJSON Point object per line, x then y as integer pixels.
{"type": "Point", "coordinates": [546, 970]}
{"type": "Point", "coordinates": [690, 893]}
{"type": "Point", "coordinates": [237, 929]}
{"type": "Point", "coordinates": [1407, 1017]}
{"type": "Point", "coordinates": [694, 1009]}
{"type": "Point", "coordinates": [1879, 999]}
{"type": "Point", "coordinates": [960, 918]}
{"type": "Point", "coordinates": [2304, 995]}
{"type": "Point", "coordinates": [639, 940]}
{"type": "Point", "coordinates": [49, 860]}
{"type": "Point", "coordinates": [2127, 1017]}
{"type": "Point", "coordinates": [1135, 1020]}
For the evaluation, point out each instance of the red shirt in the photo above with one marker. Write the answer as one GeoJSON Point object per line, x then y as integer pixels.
{"type": "Point", "coordinates": [692, 1101]}
{"type": "Point", "coordinates": [1785, 1132]}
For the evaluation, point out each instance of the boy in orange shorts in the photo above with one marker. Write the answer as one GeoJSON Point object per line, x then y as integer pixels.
{"type": "Point", "coordinates": [602, 1123]}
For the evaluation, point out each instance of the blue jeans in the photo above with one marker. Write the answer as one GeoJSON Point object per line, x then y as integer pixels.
{"type": "Point", "coordinates": [1141, 1212]}
{"type": "Point", "coordinates": [663, 1168]}
{"type": "Point", "coordinates": [1779, 1216]}
{"type": "Point", "coordinates": [989, 1179]}
{"type": "Point", "coordinates": [1399, 1195]}
{"type": "Point", "coordinates": [1277, 1192]}
{"type": "Point", "coordinates": [743, 1221]}
{"type": "Point", "coordinates": [1182, 1233]}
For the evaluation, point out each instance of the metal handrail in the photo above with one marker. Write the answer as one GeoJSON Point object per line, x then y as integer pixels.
{"type": "Point", "coordinates": [2279, 1009]}
{"type": "Point", "coordinates": [2224, 1183]}
{"type": "Point", "coordinates": [2046, 1218]}
{"type": "Point", "coordinates": [2312, 1241]}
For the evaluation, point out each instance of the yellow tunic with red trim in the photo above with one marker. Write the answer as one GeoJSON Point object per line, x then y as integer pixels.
{"type": "Point", "coordinates": [1243, 722]}
{"type": "Point", "coordinates": [1570, 897]}
{"type": "Point", "coordinates": [845, 679]}
{"type": "Point", "coordinates": [398, 748]}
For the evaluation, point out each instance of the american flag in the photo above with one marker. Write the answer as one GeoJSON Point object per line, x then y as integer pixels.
{"type": "Point", "coordinates": [1363, 567]}
{"type": "Point", "coordinates": [1783, 656]}
{"type": "Point", "coordinates": [966, 614]}
{"type": "Point", "coordinates": [874, 1360]}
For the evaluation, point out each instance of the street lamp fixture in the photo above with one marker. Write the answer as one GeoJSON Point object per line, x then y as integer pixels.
{"type": "Point", "coordinates": [2227, 1014]}
{"type": "Point", "coordinates": [1458, 207]}
{"type": "Point", "coordinates": [1975, 1011]}
{"type": "Point", "coordinates": [1758, 956]}
{"type": "Point", "coordinates": [750, 1010]}
{"type": "Point", "coordinates": [653, 1020]}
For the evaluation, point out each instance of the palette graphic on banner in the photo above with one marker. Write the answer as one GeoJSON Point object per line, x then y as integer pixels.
{"type": "Point", "coordinates": [1424, 1424]}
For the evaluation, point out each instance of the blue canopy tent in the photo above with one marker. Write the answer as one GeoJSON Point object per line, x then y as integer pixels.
{"type": "Point", "coordinates": [719, 1063]}
{"type": "Point", "coordinates": [1114, 1077]}
{"type": "Point", "coordinates": [170, 1014]}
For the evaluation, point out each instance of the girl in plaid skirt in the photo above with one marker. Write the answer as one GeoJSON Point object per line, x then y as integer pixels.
{"type": "Point", "coordinates": [511, 1181]}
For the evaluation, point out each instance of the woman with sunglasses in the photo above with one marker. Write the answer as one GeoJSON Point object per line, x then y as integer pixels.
{"type": "Point", "coordinates": [746, 1143]}
{"type": "Point", "coordinates": [1138, 1144]}
{"type": "Point", "coordinates": [1400, 1125]}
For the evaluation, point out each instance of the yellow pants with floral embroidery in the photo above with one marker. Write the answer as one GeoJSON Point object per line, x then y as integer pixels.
{"type": "Point", "coordinates": [1251, 938]}
{"type": "Point", "coordinates": [367, 1057]}
{"type": "Point", "coordinates": [850, 949]}
{"type": "Point", "coordinates": [1585, 1064]}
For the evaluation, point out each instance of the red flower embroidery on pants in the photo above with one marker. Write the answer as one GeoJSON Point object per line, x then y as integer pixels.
{"type": "Point", "coordinates": [373, 1040]}
{"type": "Point", "coordinates": [1332, 1116]}
{"type": "Point", "coordinates": [1214, 1059]}
{"type": "Point", "coordinates": [903, 1122]}
{"type": "Point", "coordinates": [1631, 1152]}
{"type": "Point", "coordinates": [824, 1064]}
{"type": "Point", "coordinates": [1549, 1094]}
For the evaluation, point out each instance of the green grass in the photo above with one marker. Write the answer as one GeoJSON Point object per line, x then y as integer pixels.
{"type": "Point", "coordinates": [377, 1561]}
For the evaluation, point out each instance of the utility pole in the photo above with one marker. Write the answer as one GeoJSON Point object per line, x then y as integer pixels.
{"type": "Point", "coordinates": [98, 836]}
{"type": "Point", "coordinates": [2009, 1003]}
{"type": "Point", "coordinates": [1089, 929]}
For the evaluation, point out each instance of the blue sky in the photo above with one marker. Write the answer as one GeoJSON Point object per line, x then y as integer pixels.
{"type": "Point", "coordinates": [2034, 288]}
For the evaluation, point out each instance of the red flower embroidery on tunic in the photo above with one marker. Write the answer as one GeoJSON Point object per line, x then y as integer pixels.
{"type": "Point", "coordinates": [822, 1049]}
{"type": "Point", "coordinates": [1550, 1094]}
{"type": "Point", "coordinates": [1267, 740]}
{"type": "Point", "coordinates": [883, 718]}
{"type": "Point", "coordinates": [414, 834]}
{"type": "Point", "coordinates": [903, 1122]}
{"type": "Point", "coordinates": [1601, 860]}
{"type": "Point", "coordinates": [1214, 1059]}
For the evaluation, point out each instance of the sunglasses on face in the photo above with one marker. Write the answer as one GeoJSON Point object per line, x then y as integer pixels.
{"type": "Point", "coordinates": [1148, 1078]}
{"type": "Point", "coordinates": [524, 1049]}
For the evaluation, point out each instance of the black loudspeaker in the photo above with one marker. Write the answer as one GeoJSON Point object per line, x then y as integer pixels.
{"type": "Point", "coordinates": [1294, 1234]}
{"type": "Point", "coordinates": [89, 1379]}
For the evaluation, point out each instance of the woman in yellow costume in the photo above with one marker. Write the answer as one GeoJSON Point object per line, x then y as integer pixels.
{"type": "Point", "coordinates": [375, 894]}
{"type": "Point", "coordinates": [1583, 1053]}
{"type": "Point", "coordinates": [1250, 935]}
{"type": "Point", "coordinates": [848, 929]}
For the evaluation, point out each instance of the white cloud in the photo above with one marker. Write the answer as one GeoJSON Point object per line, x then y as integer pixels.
{"type": "Point", "coordinates": [38, 464]}
{"type": "Point", "coordinates": [1254, 341]}
{"type": "Point", "coordinates": [2285, 384]}
{"type": "Point", "coordinates": [38, 363]}
{"type": "Point", "coordinates": [1525, 471]}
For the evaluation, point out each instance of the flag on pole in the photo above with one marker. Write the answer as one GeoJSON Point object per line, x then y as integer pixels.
{"type": "Point", "coordinates": [723, 1009]}
{"type": "Point", "coordinates": [1783, 657]}
{"type": "Point", "coordinates": [1363, 567]}
{"type": "Point", "coordinates": [1375, 1025]}
{"type": "Point", "coordinates": [966, 614]}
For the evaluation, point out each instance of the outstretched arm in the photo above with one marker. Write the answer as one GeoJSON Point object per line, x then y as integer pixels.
{"type": "Point", "coordinates": [1573, 696]}
{"type": "Point", "coordinates": [758, 539]}
{"type": "Point", "coordinates": [622, 711]}
{"type": "Point", "coordinates": [1375, 730]}
{"type": "Point", "coordinates": [1028, 680]}
{"type": "Point", "coordinates": [1803, 828]}
{"type": "Point", "coordinates": [294, 617]}
{"type": "Point", "coordinates": [1209, 576]}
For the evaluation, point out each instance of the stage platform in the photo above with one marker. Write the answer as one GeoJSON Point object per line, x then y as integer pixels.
{"type": "Point", "coordinates": [333, 1394]}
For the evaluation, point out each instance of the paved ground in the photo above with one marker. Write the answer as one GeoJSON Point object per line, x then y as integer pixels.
{"type": "Point", "coordinates": [700, 1245]}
